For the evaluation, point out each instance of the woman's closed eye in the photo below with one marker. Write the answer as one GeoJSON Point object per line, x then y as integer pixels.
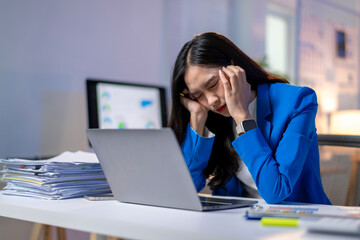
{"type": "Point", "coordinates": [198, 96]}
{"type": "Point", "coordinates": [214, 84]}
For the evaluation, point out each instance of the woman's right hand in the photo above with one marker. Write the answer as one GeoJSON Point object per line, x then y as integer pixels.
{"type": "Point", "coordinates": [198, 113]}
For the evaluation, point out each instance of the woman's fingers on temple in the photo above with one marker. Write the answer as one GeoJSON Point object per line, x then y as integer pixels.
{"type": "Point", "coordinates": [229, 72]}
{"type": "Point", "coordinates": [225, 81]}
{"type": "Point", "coordinates": [233, 73]}
{"type": "Point", "coordinates": [240, 75]}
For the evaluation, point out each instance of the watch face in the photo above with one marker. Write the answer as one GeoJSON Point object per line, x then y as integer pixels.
{"type": "Point", "coordinates": [249, 124]}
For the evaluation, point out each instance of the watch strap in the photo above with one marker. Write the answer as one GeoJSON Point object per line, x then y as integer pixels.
{"type": "Point", "coordinates": [245, 126]}
{"type": "Point", "coordinates": [239, 129]}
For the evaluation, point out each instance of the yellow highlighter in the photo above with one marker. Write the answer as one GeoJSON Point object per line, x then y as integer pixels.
{"type": "Point", "coordinates": [286, 222]}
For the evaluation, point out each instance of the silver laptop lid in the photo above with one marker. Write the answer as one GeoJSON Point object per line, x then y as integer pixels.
{"type": "Point", "coordinates": [145, 166]}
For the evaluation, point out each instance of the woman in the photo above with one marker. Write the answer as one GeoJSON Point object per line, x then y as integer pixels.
{"type": "Point", "coordinates": [248, 131]}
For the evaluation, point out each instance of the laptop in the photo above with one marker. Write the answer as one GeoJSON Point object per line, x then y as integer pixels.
{"type": "Point", "coordinates": [146, 166]}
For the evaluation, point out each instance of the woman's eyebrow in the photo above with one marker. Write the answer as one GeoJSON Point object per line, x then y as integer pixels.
{"type": "Point", "coordinates": [205, 85]}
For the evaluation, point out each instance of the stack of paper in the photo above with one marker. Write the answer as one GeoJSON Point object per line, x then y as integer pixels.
{"type": "Point", "coordinates": [68, 175]}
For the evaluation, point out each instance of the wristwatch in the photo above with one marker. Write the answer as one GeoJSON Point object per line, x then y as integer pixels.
{"type": "Point", "coordinates": [245, 126]}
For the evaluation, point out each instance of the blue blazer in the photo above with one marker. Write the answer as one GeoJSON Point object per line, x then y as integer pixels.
{"type": "Point", "coordinates": [282, 154]}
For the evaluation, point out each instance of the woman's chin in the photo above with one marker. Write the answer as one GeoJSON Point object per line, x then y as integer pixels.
{"type": "Point", "coordinates": [224, 113]}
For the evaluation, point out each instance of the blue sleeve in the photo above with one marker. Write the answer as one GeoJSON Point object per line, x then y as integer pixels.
{"type": "Point", "coordinates": [275, 172]}
{"type": "Point", "coordinates": [196, 150]}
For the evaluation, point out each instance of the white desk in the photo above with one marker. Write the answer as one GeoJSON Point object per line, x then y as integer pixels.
{"type": "Point", "coordinates": [145, 222]}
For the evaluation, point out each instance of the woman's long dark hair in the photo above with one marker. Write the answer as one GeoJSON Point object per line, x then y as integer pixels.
{"type": "Point", "coordinates": [214, 50]}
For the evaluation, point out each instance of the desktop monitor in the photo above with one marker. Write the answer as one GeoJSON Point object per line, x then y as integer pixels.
{"type": "Point", "coordinates": [117, 105]}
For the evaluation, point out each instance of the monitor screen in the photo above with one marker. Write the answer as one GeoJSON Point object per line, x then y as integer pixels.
{"type": "Point", "coordinates": [120, 105]}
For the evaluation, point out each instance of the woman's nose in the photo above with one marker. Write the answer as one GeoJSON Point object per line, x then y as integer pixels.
{"type": "Point", "coordinates": [213, 100]}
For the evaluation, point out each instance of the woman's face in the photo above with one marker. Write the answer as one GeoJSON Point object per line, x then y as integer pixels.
{"type": "Point", "coordinates": [205, 86]}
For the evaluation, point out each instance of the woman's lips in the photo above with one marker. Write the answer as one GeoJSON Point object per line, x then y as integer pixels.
{"type": "Point", "coordinates": [221, 109]}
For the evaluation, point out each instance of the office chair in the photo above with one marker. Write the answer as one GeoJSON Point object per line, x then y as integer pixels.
{"type": "Point", "coordinates": [343, 150]}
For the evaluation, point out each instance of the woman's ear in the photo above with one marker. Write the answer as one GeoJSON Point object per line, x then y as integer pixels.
{"type": "Point", "coordinates": [232, 62]}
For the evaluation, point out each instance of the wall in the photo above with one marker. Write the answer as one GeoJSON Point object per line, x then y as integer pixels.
{"type": "Point", "coordinates": [47, 51]}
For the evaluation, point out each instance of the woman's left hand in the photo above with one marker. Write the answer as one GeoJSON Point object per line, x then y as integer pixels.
{"type": "Point", "coordinates": [237, 92]}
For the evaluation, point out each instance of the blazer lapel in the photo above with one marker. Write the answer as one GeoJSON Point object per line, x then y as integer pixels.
{"type": "Point", "coordinates": [263, 111]}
